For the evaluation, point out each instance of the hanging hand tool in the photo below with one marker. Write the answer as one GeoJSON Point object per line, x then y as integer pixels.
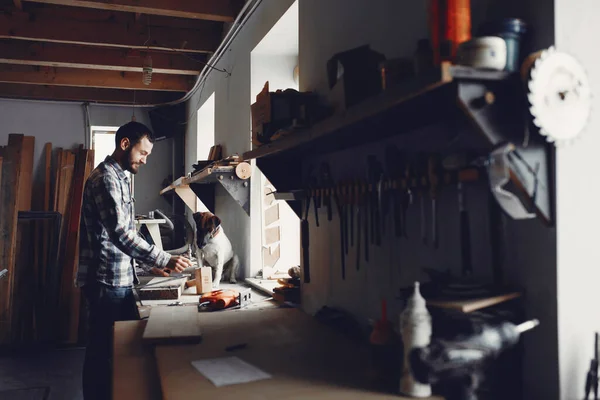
{"type": "Point", "coordinates": [375, 174]}
{"type": "Point", "coordinates": [351, 204]}
{"type": "Point", "coordinates": [366, 211]}
{"type": "Point", "coordinates": [313, 193]}
{"type": "Point", "coordinates": [344, 203]}
{"type": "Point", "coordinates": [421, 178]}
{"type": "Point", "coordinates": [340, 210]}
{"type": "Point", "coordinates": [305, 239]}
{"type": "Point", "coordinates": [434, 176]}
{"type": "Point", "coordinates": [393, 167]}
{"type": "Point", "coordinates": [327, 184]}
{"type": "Point", "coordinates": [406, 195]}
{"type": "Point", "coordinates": [465, 232]}
{"type": "Point", "coordinates": [359, 205]}
{"type": "Point", "coordinates": [455, 164]}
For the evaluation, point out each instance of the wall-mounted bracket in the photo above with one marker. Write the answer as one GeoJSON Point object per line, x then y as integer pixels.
{"type": "Point", "coordinates": [235, 179]}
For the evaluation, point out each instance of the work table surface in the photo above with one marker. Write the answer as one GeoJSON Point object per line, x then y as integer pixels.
{"type": "Point", "coordinates": [305, 358]}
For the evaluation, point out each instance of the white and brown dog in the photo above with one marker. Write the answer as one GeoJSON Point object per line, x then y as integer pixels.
{"type": "Point", "coordinates": [214, 248]}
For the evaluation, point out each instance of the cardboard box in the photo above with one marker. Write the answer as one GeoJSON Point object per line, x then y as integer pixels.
{"type": "Point", "coordinates": [203, 280]}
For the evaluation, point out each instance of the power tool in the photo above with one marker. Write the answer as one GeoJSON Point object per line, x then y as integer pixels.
{"type": "Point", "coordinates": [456, 365]}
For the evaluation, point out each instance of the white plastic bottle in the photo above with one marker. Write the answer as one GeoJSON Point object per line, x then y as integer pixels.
{"type": "Point", "coordinates": [415, 326]}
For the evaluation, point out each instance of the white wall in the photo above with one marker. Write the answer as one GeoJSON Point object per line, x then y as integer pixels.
{"type": "Point", "coordinates": [63, 125]}
{"type": "Point", "coordinates": [577, 207]}
{"type": "Point", "coordinates": [232, 101]}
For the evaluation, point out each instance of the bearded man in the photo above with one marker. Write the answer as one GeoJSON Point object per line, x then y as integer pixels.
{"type": "Point", "coordinates": [108, 245]}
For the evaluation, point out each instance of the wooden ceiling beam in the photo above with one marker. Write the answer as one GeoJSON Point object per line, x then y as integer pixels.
{"type": "Point", "coordinates": [90, 78]}
{"type": "Point", "coordinates": [37, 27]}
{"type": "Point", "coordinates": [95, 95]}
{"type": "Point", "coordinates": [112, 59]}
{"type": "Point", "coordinates": [213, 10]}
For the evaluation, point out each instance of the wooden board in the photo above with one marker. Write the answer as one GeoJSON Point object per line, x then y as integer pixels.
{"type": "Point", "coordinates": [271, 215]}
{"type": "Point", "coordinates": [162, 288]}
{"type": "Point", "coordinates": [47, 175]}
{"type": "Point", "coordinates": [272, 235]}
{"type": "Point", "coordinates": [134, 369]}
{"type": "Point", "coordinates": [307, 360]}
{"type": "Point", "coordinates": [173, 325]}
{"type": "Point", "coordinates": [26, 176]}
{"type": "Point", "coordinates": [11, 169]}
{"type": "Point", "coordinates": [471, 305]}
{"type": "Point", "coordinates": [69, 294]}
{"type": "Point", "coordinates": [271, 255]}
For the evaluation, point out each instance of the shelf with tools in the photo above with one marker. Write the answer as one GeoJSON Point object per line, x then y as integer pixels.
{"type": "Point", "coordinates": [234, 177]}
{"type": "Point", "coordinates": [492, 104]}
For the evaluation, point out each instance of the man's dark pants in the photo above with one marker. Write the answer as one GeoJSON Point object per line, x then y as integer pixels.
{"type": "Point", "coordinates": [105, 305]}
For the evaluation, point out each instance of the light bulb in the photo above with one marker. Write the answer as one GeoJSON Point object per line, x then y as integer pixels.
{"type": "Point", "coordinates": [147, 71]}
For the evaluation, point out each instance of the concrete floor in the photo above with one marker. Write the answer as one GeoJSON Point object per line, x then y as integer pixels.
{"type": "Point", "coordinates": [59, 370]}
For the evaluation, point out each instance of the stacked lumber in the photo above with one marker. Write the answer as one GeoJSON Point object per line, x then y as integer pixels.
{"type": "Point", "coordinates": [38, 300]}
{"type": "Point", "coordinates": [15, 192]}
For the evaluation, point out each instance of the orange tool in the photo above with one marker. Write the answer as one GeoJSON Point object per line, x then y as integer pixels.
{"type": "Point", "coordinates": [220, 299]}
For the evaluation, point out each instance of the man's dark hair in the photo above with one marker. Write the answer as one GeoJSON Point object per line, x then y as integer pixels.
{"type": "Point", "coordinates": [134, 131]}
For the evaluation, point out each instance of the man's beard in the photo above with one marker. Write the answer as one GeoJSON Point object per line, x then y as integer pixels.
{"type": "Point", "coordinates": [128, 162]}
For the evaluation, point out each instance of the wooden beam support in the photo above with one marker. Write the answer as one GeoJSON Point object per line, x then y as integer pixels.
{"type": "Point", "coordinates": [213, 10]}
{"type": "Point", "coordinates": [50, 28]}
{"type": "Point", "coordinates": [95, 95]}
{"type": "Point", "coordinates": [111, 59]}
{"type": "Point", "coordinates": [88, 78]}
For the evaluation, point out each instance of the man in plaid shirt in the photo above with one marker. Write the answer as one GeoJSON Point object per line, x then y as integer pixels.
{"type": "Point", "coordinates": [107, 248]}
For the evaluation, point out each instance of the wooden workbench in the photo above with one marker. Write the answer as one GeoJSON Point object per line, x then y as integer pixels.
{"type": "Point", "coordinates": [305, 358]}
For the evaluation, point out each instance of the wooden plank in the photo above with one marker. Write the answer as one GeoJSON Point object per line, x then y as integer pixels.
{"type": "Point", "coordinates": [26, 177]}
{"type": "Point", "coordinates": [70, 296]}
{"type": "Point", "coordinates": [162, 288]}
{"type": "Point", "coordinates": [47, 175]}
{"type": "Point", "coordinates": [51, 28]}
{"type": "Point", "coordinates": [11, 169]}
{"type": "Point", "coordinates": [272, 235]}
{"type": "Point", "coordinates": [30, 75]}
{"type": "Point", "coordinates": [307, 359]}
{"type": "Point", "coordinates": [110, 59]}
{"type": "Point", "coordinates": [470, 305]}
{"type": "Point", "coordinates": [271, 256]}
{"type": "Point", "coordinates": [134, 369]}
{"type": "Point", "coordinates": [173, 325]}
{"type": "Point", "coordinates": [214, 10]}
{"type": "Point", "coordinates": [272, 215]}
{"type": "Point", "coordinates": [99, 95]}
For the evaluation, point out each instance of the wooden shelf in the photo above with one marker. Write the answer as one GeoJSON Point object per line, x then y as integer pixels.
{"type": "Point", "coordinates": [417, 99]}
{"type": "Point", "coordinates": [187, 187]}
{"type": "Point", "coordinates": [470, 305]}
{"type": "Point", "coordinates": [491, 104]}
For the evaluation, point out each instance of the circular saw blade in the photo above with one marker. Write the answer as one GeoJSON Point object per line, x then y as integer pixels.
{"type": "Point", "coordinates": [559, 96]}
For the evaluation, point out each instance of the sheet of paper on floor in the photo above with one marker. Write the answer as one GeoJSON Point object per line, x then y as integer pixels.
{"type": "Point", "coordinates": [229, 371]}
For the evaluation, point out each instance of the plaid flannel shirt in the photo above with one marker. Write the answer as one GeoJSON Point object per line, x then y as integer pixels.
{"type": "Point", "coordinates": [108, 241]}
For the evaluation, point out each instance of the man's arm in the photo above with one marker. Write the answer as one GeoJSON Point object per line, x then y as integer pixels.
{"type": "Point", "coordinates": [107, 196]}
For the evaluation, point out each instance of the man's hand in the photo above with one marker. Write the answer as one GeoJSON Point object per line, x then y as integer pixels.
{"type": "Point", "coordinates": [159, 272]}
{"type": "Point", "coordinates": [178, 263]}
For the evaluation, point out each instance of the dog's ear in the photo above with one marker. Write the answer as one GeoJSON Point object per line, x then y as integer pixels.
{"type": "Point", "coordinates": [197, 216]}
{"type": "Point", "coordinates": [216, 220]}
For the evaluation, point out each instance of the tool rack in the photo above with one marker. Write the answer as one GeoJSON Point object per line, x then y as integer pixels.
{"type": "Point", "coordinates": [493, 102]}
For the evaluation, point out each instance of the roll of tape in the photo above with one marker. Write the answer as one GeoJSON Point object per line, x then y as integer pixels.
{"type": "Point", "coordinates": [488, 52]}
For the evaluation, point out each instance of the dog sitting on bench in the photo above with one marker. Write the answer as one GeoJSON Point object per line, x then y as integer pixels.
{"type": "Point", "coordinates": [214, 248]}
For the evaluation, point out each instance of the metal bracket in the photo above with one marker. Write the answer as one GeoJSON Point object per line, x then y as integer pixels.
{"type": "Point", "coordinates": [238, 189]}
